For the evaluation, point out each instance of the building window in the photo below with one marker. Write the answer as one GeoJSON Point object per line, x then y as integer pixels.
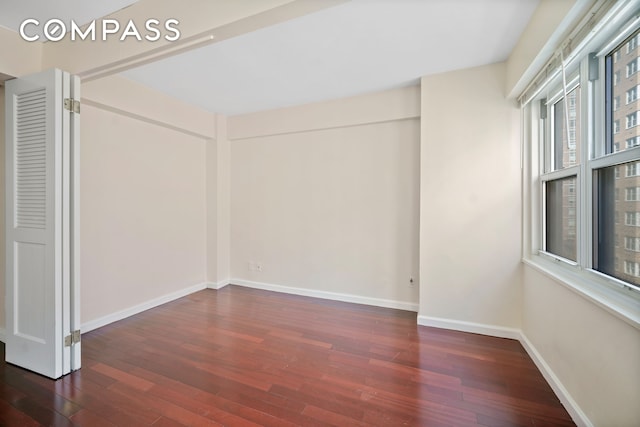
{"type": "Point", "coordinates": [632, 194]}
{"type": "Point", "coordinates": [632, 219]}
{"type": "Point", "coordinates": [632, 67]}
{"type": "Point", "coordinates": [632, 169]}
{"type": "Point", "coordinates": [616, 78]}
{"type": "Point", "coordinates": [632, 268]}
{"type": "Point", "coordinates": [632, 243]}
{"type": "Point", "coordinates": [616, 126]}
{"type": "Point", "coordinates": [632, 120]}
{"type": "Point", "coordinates": [632, 44]}
{"type": "Point", "coordinates": [634, 141]}
{"type": "Point", "coordinates": [631, 96]}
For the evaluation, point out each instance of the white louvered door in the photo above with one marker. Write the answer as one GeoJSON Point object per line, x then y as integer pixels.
{"type": "Point", "coordinates": [39, 226]}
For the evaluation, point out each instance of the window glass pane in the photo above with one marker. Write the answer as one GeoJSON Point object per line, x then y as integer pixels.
{"type": "Point", "coordinates": [560, 206]}
{"type": "Point", "coordinates": [617, 238]}
{"type": "Point", "coordinates": [624, 95]}
{"type": "Point", "coordinates": [566, 145]}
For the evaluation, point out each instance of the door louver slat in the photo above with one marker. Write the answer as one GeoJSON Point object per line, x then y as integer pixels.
{"type": "Point", "coordinates": [30, 169]}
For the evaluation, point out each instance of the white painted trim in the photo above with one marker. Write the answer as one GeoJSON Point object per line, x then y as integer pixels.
{"type": "Point", "coordinates": [572, 407]}
{"type": "Point", "coordinates": [123, 314]}
{"type": "Point", "coordinates": [472, 327]}
{"type": "Point", "coordinates": [218, 285]}
{"type": "Point", "coordinates": [378, 302]}
{"type": "Point", "coordinates": [578, 416]}
{"type": "Point", "coordinates": [3, 335]}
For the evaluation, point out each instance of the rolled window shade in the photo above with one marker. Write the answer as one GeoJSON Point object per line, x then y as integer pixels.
{"type": "Point", "coordinates": [602, 12]}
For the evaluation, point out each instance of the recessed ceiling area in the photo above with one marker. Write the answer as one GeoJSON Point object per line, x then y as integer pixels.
{"type": "Point", "coordinates": [357, 47]}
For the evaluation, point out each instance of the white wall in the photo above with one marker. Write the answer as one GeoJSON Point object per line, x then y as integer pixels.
{"type": "Point", "coordinates": [18, 57]}
{"type": "Point", "coordinates": [593, 353]}
{"type": "Point", "coordinates": [2, 216]}
{"type": "Point", "coordinates": [331, 207]}
{"type": "Point", "coordinates": [470, 221]}
{"type": "Point", "coordinates": [143, 225]}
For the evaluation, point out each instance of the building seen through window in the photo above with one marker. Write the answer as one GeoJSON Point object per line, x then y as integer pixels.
{"type": "Point", "coordinates": [618, 254]}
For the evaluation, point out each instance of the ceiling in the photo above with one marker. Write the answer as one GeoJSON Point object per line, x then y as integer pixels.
{"type": "Point", "coordinates": [357, 47]}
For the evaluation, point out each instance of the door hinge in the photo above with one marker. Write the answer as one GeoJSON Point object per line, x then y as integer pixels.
{"type": "Point", "coordinates": [72, 105]}
{"type": "Point", "coordinates": [74, 338]}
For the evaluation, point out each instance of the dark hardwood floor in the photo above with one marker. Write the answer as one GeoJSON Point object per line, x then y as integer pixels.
{"type": "Point", "coordinates": [243, 357]}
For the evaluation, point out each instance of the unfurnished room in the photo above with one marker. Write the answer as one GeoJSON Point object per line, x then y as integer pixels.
{"type": "Point", "coordinates": [320, 213]}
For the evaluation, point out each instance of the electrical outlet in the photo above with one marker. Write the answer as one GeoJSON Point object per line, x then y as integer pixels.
{"type": "Point", "coordinates": [254, 266]}
{"type": "Point", "coordinates": [411, 282]}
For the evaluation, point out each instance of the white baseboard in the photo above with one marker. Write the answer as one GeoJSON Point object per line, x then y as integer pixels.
{"type": "Point", "coordinates": [123, 314]}
{"type": "Point", "coordinates": [218, 285]}
{"type": "Point", "coordinates": [576, 413]}
{"type": "Point", "coordinates": [3, 333]}
{"type": "Point", "coordinates": [378, 302]}
{"type": "Point", "coordinates": [475, 328]}
{"type": "Point", "coordinates": [578, 416]}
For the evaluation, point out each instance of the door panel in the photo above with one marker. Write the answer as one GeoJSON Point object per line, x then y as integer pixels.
{"type": "Point", "coordinates": [37, 221]}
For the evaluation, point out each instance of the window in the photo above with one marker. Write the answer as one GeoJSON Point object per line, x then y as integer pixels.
{"type": "Point", "coordinates": [632, 268]}
{"type": "Point", "coordinates": [632, 219]}
{"type": "Point", "coordinates": [585, 198]}
{"type": "Point", "coordinates": [632, 43]}
{"type": "Point", "coordinates": [632, 67]}
{"type": "Point", "coordinates": [632, 243]}
{"type": "Point", "coordinates": [566, 135]}
{"type": "Point", "coordinates": [632, 96]}
{"type": "Point", "coordinates": [632, 169]}
{"type": "Point", "coordinates": [561, 225]}
{"type": "Point", "coordinates": [632, 194]}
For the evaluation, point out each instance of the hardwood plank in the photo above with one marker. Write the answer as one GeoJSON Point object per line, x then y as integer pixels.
{"type": "Point", "coordinates": [247, 357]}
{"type": "Point", "coordinates": [87, 418]}
{"type": "Point", "coordinates": [12, 416]}
{"type": "Point", "coordinates": [122, 377]}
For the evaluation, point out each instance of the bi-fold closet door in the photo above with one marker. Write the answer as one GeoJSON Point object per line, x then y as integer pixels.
{"type": "Point", "coordinates": [42, 117]}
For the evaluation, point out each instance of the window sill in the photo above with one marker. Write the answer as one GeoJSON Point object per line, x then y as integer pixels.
{"type": "Point", "coordinates": [621, 302]}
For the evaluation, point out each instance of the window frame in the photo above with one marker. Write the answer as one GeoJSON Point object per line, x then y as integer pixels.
{"type": "Point", "coordinates": [616, 296]}
{"type": "Point", "coordinates": [632, 67]}
{"type": "Point", "coordinates": [547, 174]}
